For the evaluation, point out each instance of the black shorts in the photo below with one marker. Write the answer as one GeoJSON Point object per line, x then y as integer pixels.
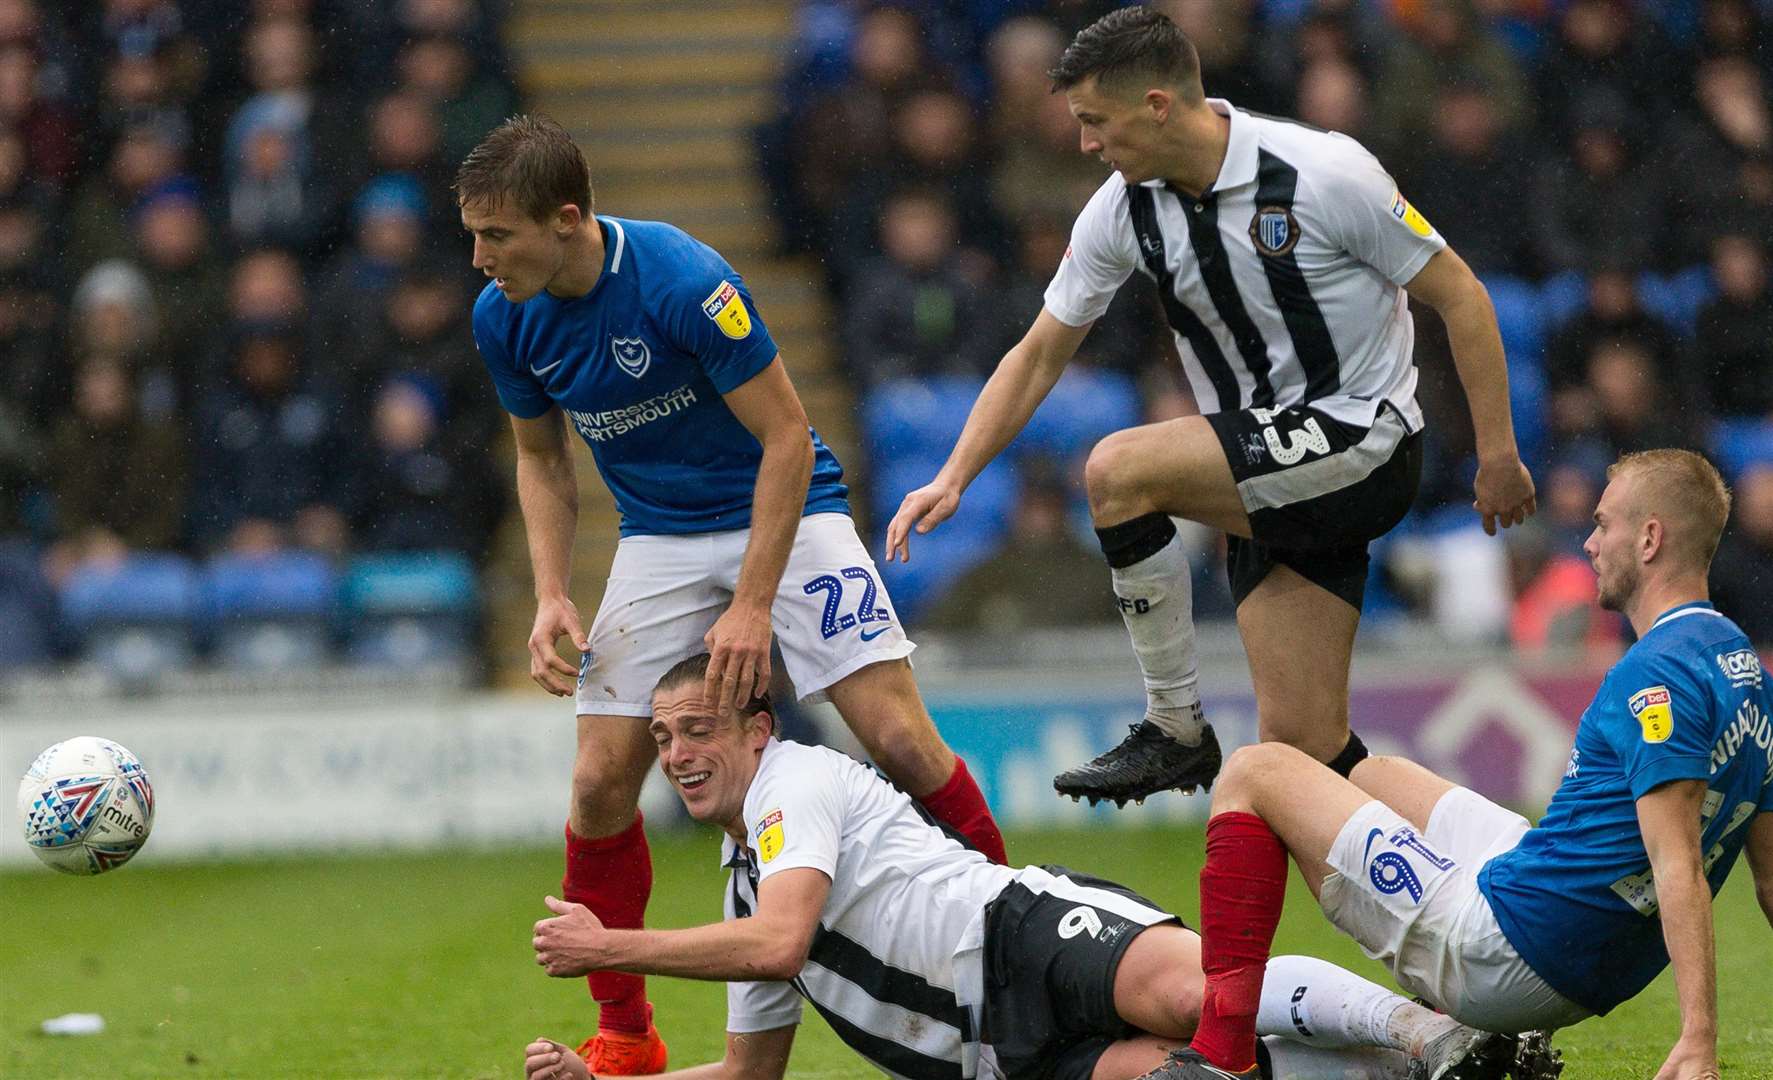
{"type": "Point", "coordinates": [1049, 961]}
{"type": "Point", "coordinates": [1317, 492]}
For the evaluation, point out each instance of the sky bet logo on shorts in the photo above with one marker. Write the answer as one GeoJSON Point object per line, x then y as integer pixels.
{"type": "Point", "coordinates": [1650, 706]}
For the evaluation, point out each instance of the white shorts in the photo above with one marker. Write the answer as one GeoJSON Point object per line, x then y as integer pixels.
{"type": "Point", "coordinates": [1413, 903]}
{"type": "Point", "coordinates": [831, 614]}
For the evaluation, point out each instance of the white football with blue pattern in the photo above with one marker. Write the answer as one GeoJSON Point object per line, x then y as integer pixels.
{"type": "Point", "coordinates": [87, 805]}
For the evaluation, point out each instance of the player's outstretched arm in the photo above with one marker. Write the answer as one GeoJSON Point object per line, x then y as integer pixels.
{"type": "Point", "coordinates": [1760, 860]}
{"type": "Point", "coordinates": [770, 946]}
{"type": "Point", "coordinates": [755, 1055]}
{"type": "Point", "coordinates": [1023, 379]}
{"type": "Point", "coordinates": [739, 641]}
{"type": "Point", "coordinates": [1668, 817]}
{"type": "Point", "coordinates": [1504, 488]}
{"type": "Point", "coordinates": [548, 494]}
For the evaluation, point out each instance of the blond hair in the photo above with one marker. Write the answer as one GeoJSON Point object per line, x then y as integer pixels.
{"type": "Point", "coordinates": [1685, 492]}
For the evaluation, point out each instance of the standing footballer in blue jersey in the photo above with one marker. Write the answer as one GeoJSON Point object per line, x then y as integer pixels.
{"type": "Point", "coordinates": [1504, 926]}
{"type": "Point", "coordinates": [735, 522]}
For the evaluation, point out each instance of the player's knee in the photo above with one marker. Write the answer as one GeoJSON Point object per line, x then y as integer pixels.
{"type": "Point", "coordinates": [1106, 475]}
{"type": "Point", "coordinates": [1184, 992]}
{"type": "Point", "coordinates": [602, 794]}
{"type": "Point", "coordinates": [1250, 767]}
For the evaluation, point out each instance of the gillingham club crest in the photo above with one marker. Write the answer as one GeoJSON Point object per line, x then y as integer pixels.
{"type": "Point", "coordinates": [1274, 230]}
{"type": "Point", "coordinates": [631, 355]}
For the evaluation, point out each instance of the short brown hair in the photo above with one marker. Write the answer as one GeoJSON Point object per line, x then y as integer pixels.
{"type": "Point", "coordinates": [1687, 489]}
{"type": "Point", "coordinates": [695, 670]}
{"type": "Point", "coordinates": [530, 160]}
{"type": "Point", "coordinates": [1127, 45]}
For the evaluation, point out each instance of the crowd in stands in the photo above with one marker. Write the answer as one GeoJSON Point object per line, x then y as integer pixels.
{"type": "Point", "coordinates": [233, 310]}
{"type": "Point", "coordinates": [1606, 166]}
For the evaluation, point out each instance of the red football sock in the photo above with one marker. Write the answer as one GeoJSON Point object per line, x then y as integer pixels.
{"type": "Point", "coordinates": [961, 806]}
{"type": "Point", "coordinates": [613, 876]}
{"type": "Point", "coordinates": [1242, 888]}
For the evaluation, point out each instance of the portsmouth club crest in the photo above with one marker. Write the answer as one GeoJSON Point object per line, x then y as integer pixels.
{"type": "Point", "coordinates": [632, 355]}
{"type": "Point", "coordinates": [1274, 230]}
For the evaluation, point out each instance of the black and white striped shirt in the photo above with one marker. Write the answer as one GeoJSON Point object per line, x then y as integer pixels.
{"type": "Point", "coordinates": [895, 962]}
{"type": "Point", "coordinates": [1282, 283]}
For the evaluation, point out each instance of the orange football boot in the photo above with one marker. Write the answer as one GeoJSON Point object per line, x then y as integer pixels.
{"type": "Point", "coordinates": [617, 1053]}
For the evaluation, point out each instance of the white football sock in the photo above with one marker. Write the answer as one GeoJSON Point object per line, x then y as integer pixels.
{"type": "Point", "coordinates": [1156, 597]}
{"type": "Point", "coordinates": [1289, 1060]}
{"type": "Point", "coordinates": [1315, 1002]}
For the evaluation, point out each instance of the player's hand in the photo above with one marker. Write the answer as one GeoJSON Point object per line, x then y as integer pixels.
{"type": "Point", "coordinates": [567, 944]}
{"type": "Point", "coordinates": [546, 1059]}
{"type": "Point", "coordinates": [924, 509]}
{"type": "Point", "coordinates": [1505, 493]}
{"type": "Point", "coordinates": [739, 657]}
{"type": "Point", "coordinates": [555, 619]}
{"type": "Point", "coordinates": [1691, 1059]}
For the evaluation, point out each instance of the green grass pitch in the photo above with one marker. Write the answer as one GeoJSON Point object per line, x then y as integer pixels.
{"type": "Point", "coordinates": [420, 966]}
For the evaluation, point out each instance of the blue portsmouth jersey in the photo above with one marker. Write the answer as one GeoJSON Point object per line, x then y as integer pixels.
{"type": "Point", "coordinates": [1575, 898]}
{"type": "Point", "coordinates": [639, 365]}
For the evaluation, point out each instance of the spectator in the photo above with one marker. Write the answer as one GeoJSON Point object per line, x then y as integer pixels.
{"type": "Point", "coordinates": [390, 220]}
{"type": "Point", "coordinates": [1744, 564]}
{"type": "Point", "coordinates": [404, 138]}
{"type": "Point", "coordinates": [1634, 408]}
{"type": "Point", "coordinates": [1222, 34]}
{"type": "Point", "coordinates": [145, 155]}
{"type": "Point", "coordinates": [1469, 178]}
{"type": "Point", "coordinates": [914, 312]}
{"type": "Point", "coordinates": [1444, 44]}
{"type": "Point", "coordinates": [274, 192]}
{"type": "Point", "coordinates": [172, 244]}
{"type": "Point", "coordinates": [1734, 346]}
{"type": "Point", "coordinates": [1333, 95]}
{"type": "Point", "coordinates": [1600, 202]}
{"type": "Point", "coordinates": [996, 596]}
{"type": "Point", "coordinates": [1602, 45]}
{"type": "Point", "coordinates": [469, 102]}
{"type": "Point", "coordinates": [1726, 158]}
{"type": "Point", "coordinates": [49, 129]}
{"type": "Point", "coordinates": [1019, 55]}
{"type": "Point", "coordinates": [118, 476]}
{"type": "Point", "coordinates": [1127, 338]}
{"type": "Point", "coordinates": [935, 145]}
{"type": "Point", "coordinates": [30, 379]}
{"type": "Point", "coordinates": [412, 491]}
{"type": "Point", "coordinates": [269, 458]}
{"type": "Point", "coordinates": [1613, 311]}
{"type": "Point", "coordinates": [1040, 171]}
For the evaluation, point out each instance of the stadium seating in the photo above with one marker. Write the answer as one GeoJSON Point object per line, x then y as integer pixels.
{"type": "Point", "coordinates": [271, 612]}
{"type": "Point", "coordinates": [134, 618]}
{"type": "Point", "coordinates": [408, 610]}
{"type": "Point", "coordinates": [25, 610]}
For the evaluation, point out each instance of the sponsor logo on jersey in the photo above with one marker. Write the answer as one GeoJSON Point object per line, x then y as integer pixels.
{"type": "Point", "coordinates": [1651, 708]}
{"type": "Point", "coordinates": [727, 308]}
{"type": "Point", "coordinates": [769, 836]}
{"type": "Point", "coordinates": [1274, 230]}
{"type": "Point", "coordinates": [632, 355]}
{"type": "Point", "coordinates": [1409, 215]}
{"type": "Point", "coordinates": [1742, 667]}
{"type": "Point", "coordinates": [608, 423]}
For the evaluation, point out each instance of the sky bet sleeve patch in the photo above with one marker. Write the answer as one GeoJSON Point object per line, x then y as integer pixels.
{"type": "Point", "coordinates": [1409, 215]}
{"type": "Point", "coordinates": [769, 830]}
{"type": "Point", "coordinates": [727, 308]}
{"type": "Point", "coordinates": [1650, 706]}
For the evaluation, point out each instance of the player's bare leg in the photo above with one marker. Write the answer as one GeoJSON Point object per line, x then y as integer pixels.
{"type": "Point", "coordinates": [609, 870]}
{"type": "Point", "coordinates": [882, 705]}
{"type": "Point", "coordinates": [1299, 638]}
{"type": "Point", "coordinates": [1138, 479]}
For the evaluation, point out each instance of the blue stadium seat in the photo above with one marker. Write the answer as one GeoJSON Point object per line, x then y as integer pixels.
{"type": "Point", "coordinates": [413, 609]}
{"type": "Point", "coordinates": [972, 535]}
{"type": "Point", "coordinates": [1738, 444]}
{"type": "Point", "coordinates": [270, 612]}
{"type": "Point", "coordinates": [1521, 318]}
{"type": "Point", "coordinates": [1084, 406]}
{"type": "Point", "coordinates": [135, 618]}
{"type": "Point", "coordinates": [26, 609]}
{"type": "Point", "coordinates": [1677, 298]}
{"type": "Point", "coordinates": [917, 416]}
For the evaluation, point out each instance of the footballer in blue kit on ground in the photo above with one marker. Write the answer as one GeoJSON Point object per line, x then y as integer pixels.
{"type": "Point", "coordinates": [735, 523]}
{"type": "Point", "coordinates": [1504, 926]}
